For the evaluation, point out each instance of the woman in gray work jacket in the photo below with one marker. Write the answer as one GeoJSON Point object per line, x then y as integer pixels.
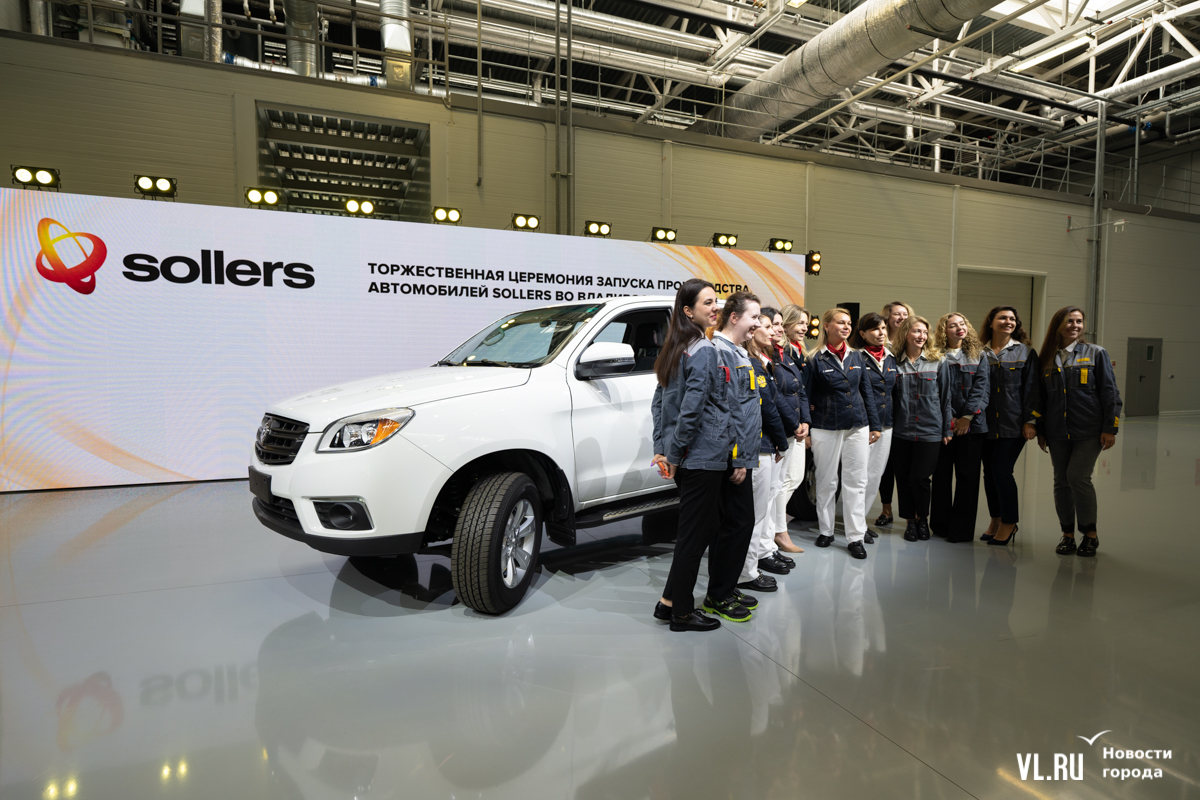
{"type": "Point", "coordinates": [693, 436]}
{"type": "Point", "coordinates": [1078, 412]}
{"type": "Point", "coordinates": [922, 421]}
{"type": "Point", "coordinates": [956, 479]}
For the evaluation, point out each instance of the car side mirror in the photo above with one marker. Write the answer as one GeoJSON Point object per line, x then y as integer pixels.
{"type": "Point", "coordinates": [604, 360]}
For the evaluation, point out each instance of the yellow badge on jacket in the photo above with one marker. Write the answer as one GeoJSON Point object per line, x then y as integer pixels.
{"type": "Point", "coordinates": [762, 382]}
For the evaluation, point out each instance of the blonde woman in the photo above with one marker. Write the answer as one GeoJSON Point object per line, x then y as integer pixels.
{"type": "Point", "coordinates": [922, 421]}
{"type": "Point", "coordinates": [955, 501]}
{"type": "Point", "coordinates": [789, 378]}
{"type": "Point", "coordinates": [894, 313]}
{"type": "Point", "coordinates": [844, 423]}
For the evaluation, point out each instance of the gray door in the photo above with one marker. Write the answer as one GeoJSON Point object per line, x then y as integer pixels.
{"type": "Point", "coordinates": [1143, 372]}
{"type": "Point", "coordinates": [980, 292]}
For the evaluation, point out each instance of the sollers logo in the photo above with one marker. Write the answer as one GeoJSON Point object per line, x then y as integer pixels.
{"type": "Point", "coordinates": [69, 257]}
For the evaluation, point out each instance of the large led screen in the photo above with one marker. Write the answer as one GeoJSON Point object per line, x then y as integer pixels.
{"type": "Point", "coordinates": [141, 341]}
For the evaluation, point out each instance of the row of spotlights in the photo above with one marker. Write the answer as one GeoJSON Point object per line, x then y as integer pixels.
{"type": "Point", "coordinates": [594, 228]}
{"type": "Point", "coordinates": [525, 222]}
{"type": "Point", "coordinates": [663, 234]}
{"type": "Point", "coordinates": [257, 196]}
{"type": "Point", "coordinates": [360, 206]}
{"type": "Point", "coordinates": [447, 216]}
{"type": "Point", "coordinates": [812, 262]}
{"type": "Point", "coordinates": [35, 176]}
{"type": "Point", "coordinates": [151, 185]}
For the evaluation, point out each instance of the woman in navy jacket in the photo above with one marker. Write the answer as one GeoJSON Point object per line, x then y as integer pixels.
{"type": "Point", "coordinates": [693, 438]}
{"type": "Point", "coordinates": [923, 421]}
{"type": "Point", "coordinates": [956, 478]}
{"type": "Point", "coordinates": [789, 376]}
{"type": "Point", "coordinates": [1013, 389]}
{"type": "Point", "coordinates": [870, 338]}
{"type": "Point", "coordinates": [845, 423]}
{"type": "Point", "coordinates": [1078, 411]}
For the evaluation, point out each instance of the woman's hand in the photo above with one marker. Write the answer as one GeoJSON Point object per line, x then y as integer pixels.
{"type": "Point", "coordinates": [802, 431]}
{"type": "Point", "coordinates": [873, 437]}
{"type": "Point", "coordinates": [961, 426]}
{"type": "Point", "coordinates": [661, 460]}
{"type": "Point", "coordinates": [808, 441]}
{"type": "Point", "coordinates": [778, 457]}
{"type": "Point", "coordinates": [739, 475]}
{"type": "Point", "coordinates": [947, 439]}
{"type": "Point", "coordinates": [1107, 440]}
{"type": "Point", "coordinates": [1030, 432]}
{"type": "Point", "coordinates": [1042, 443]}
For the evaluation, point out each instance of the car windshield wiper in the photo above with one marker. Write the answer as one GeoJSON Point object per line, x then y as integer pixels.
{"type": "Point", "coordinates": [485, 362]}
{"type": "Point", "coordinates": [445, 362]}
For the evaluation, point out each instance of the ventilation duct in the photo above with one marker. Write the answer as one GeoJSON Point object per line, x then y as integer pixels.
{"type": "Point", "coordinates": [397, 43]}
{"type": "Point", "coordinates": [301, 18]}
{"type": "Point", "coordinates": [864, 41]}
{"type": "Point", "coordinates": [900, 116]}
{"type": "Point", "coordinates": [40, 18]}
{"type": "Point", "coordinates": [1138, 85]}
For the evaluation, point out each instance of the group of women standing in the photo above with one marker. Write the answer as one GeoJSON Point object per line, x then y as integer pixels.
{"type": "Point", "coordinates": [889, 400]}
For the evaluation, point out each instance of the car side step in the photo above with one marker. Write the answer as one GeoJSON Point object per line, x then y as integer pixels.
{"type": "Point", "coordinates": [602, 515]}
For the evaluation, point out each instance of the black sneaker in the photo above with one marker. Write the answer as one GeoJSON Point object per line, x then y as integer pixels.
{"type": "Point", "coordinates": [923, 530]}
{"type": "Point", "coordinates": [824, 541]}
{"type": "Point", "coordinates": [857, 550]}
{"type": "Point", "coordinates": [763, 583]}
{"type": "Point", "coordinates": [910, 532]}
{"type": "Point", "coordinates": [661, 612]}
{"type": "Point", "coordinates": [1087, 548]}
{"type": "Point", "coordinates": [778, 556]}
{"type": "Point", "coordinates": [1067, 546]}
{"type": "Point", "coordinates": [745, 600]}
{"type": "Point", "coordinates": [695, 621]}
{"type": "Point", "coordinates": [729, 608]}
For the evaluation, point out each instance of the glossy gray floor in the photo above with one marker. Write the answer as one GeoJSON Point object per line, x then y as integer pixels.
{"type": "Point", "coordinates": [158, 642]}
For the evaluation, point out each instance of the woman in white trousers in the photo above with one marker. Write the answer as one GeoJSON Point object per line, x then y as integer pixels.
{"type": "Point", "coordinates": [792, 321]}
{"type": "Point", "coordinates": [871, 337]}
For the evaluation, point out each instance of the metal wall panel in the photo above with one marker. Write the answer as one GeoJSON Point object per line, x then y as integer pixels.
{"type": "Point", "coordinates": [618, 180]}
{"type": "Point", "coordinates": [514, 170]}
{"type": "Point", "coordinates": [980, 292]}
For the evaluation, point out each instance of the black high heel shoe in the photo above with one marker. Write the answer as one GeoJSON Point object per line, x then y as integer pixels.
{"type": "Point", "coordinates": [997, 543]}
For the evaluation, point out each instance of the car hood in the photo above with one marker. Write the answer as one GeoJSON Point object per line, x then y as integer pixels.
{"type": "Point", "coordinates": [396, 390]}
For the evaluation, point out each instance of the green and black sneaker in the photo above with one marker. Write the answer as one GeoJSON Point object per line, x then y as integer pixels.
{"type": "Point", "coordinates": [745, 601]}
{"type": "Point", "coordinates": [729, 608]}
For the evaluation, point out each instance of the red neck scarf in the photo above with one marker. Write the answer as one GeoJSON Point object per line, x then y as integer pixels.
{"type": "Point", "coordinates": [840, 352]}
{"type": "Point", "coordinates": [876, 352]}
{"type": "Point", "coordinates": [779, 349]}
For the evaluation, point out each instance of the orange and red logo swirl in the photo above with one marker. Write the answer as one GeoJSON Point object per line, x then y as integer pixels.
{"type": "Point", "coordinates": [50, 263]}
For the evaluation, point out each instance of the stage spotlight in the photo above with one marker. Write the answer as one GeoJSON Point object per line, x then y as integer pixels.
{"type": "Point", "coordinates": [367, 207]}
{"type": "Point", "coordinates": [352, 206]}
{"type": "Point", "coordinates": [447, 216]}
{"type": "Point", "coordinates": [259, 196]}
{"type": "Point", "coordinates": [812, 262]}
{"type": "Point", "coordinates": [525, 222]}
{"type": "Point", "coordinates": [780, 245]}
{"type": "Point", "coordinates": [38, 177]}
{"type": "Point", "coordinates": [662, 234]}
{"type": "Point", "coordinates": [814, 327]}
{"type": "Point", "coordinates": [724, 240]}
{"type": "Point", "coordinates": [594, 228]}
{"type": "Point", "coordinates": [356, 206]}
{"type": "Point", "coordinates": [153, 186]}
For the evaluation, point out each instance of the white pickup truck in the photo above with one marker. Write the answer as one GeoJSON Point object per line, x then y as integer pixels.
{"type": "Point", "coordinates": [540, 420]}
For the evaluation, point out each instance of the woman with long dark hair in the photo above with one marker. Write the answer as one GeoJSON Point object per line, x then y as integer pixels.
{"type": "Point", "coordinates": [956, 478]}
{"type": "Point", "coordinates": [894, 313]}
{"type": "Point", "coordinates": [1013, 391]}
{"type": "Point", "coordinates": [693, 439]}
{"type": "Point", "coordinates": [844, 425]}
{"type": "Point", "coordinates": [1079, 411]}
{"type": "Point", "coordinates": [870, 337]}
{"type": "Point", "coordinates": [923, 421]}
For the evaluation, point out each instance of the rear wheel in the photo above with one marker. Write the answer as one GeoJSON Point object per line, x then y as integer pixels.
{"type": "Point", "coordinates": [496, 542]}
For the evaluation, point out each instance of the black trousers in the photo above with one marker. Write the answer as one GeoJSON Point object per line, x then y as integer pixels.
{"type": "Point", "coordinates": [887, 481]}
{"type": "Point", "coordinates": [999, 460]}
{"type": "Point", "coordinates": [915, 463]}
{"type": "Point", "coordinates": [955, 501]}
{"type": "Point", "coordinates": [715, 513]}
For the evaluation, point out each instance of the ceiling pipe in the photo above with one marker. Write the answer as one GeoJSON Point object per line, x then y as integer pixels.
{"type": "Point", "coordinates": [301, 18]}
{"type": "Point", "coordinates": [864, 41]}
{"type": "Point", "coordinates": [900, 116]}
{"type": "Point", "coordinates": [396, 35]}
{"type": "Point", "coordinates": [1143, 83]}
{"type": "Point", "coordinates": [41, 20]}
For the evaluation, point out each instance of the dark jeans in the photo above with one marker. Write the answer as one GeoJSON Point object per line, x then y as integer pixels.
{"type": "Point", "coordinates": [956, 488]}
{"type": "Point", "coordinates": [1074, 496]}
{"type": "Point", "coordinates": [999, 459]}
{"type": "Point", "coordinates": [914, 464]}
{"type": "Point", "coordinates": [886, 482]}
{"type": "Point", "coordinates": [712, 512]}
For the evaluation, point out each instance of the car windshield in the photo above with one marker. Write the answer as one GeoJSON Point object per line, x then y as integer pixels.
{"type": "Point", "coordinates": [527, 339]}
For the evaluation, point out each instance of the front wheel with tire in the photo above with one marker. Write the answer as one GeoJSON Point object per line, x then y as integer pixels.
{"type": "Point", "coordinates": [496, 542]}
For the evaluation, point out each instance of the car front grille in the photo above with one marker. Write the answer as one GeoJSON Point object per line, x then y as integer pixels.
{"type": "Point", "coordinates": [279, 439]}
{"type": "Point", "coordinates": [282, 510]}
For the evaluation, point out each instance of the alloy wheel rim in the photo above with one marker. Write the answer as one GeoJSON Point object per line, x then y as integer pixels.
{"type": "Point", "coordinates": [516, 554]}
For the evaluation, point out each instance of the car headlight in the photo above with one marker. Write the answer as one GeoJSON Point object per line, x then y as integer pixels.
{"type": "Point", "coordinates": [363, 430]}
